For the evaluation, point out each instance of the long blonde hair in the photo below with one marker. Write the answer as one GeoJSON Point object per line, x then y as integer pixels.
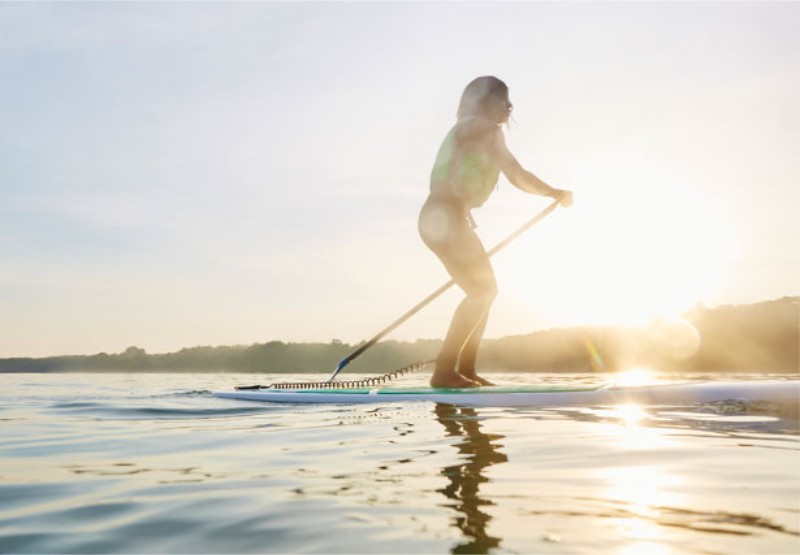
{"type": "Point", "coordinates": [476, 100]}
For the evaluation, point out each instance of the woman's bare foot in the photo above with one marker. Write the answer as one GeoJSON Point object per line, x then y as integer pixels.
{"type": "Point", "coordinates": [451, 380]}
{"type": "Point", "coordinates": [482, 381]}
{"type": "Point", "coordinates": [476, 378]}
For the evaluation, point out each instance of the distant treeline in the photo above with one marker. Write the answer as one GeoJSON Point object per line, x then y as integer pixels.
{"type": "Point", "coordinates": [761, 337]}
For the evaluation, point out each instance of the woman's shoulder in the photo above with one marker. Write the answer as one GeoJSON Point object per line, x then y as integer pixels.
{"type": "Point", "coordinates": [475, 128]}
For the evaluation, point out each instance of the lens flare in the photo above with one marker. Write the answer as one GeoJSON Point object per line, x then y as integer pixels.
{"type": "Point", "coordinates": [674, 338]}
{"type": "Point", "coordinates": [596, 359]}
{"type": "Point", "coordinates": [435, 224]}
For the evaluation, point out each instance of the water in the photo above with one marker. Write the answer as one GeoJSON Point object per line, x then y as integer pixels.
{"type": "Point", "coordinates": [152, 463]}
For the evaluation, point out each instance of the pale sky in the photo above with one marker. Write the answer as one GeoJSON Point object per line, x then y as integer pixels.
{"type": "Point", "coordinates": [185, 174]}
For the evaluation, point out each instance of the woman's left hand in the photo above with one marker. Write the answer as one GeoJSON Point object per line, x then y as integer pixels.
{"type": "Point", "coordinates": [563, 197]}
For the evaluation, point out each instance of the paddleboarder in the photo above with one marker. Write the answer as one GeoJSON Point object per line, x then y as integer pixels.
{"type": "Point", "coordinates": [464, 175]}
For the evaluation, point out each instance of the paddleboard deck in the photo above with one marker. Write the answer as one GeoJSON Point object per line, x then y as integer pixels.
{"type": "Point", "coordinates": [536, 395]}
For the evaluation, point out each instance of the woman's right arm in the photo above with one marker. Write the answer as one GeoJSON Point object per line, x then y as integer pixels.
{"type": "Point", "coordinates": [522, 178]}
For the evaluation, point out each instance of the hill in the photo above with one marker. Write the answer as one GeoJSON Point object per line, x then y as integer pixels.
{"type": "Point", "coordinates": [760, 337]}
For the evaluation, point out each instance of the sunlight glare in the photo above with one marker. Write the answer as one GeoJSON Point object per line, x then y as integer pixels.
{"type": "Point", "coordinates": [638, 243]}
{"type": "Point", "coordinates": [630, 413]}
{"type": "Point", "coordinates": [674, 337]}
{"type": "Point", "coordinates": [643, 488]}
{"type": "Point", "coordinates": [634, 377]}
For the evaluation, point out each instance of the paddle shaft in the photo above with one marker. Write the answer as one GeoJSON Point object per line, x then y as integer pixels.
{"type": "Point", "coordinates": [427, 300]}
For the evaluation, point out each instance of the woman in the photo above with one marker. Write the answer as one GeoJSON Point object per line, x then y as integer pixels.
{"type": "Point", "coordinates": [465, 173]}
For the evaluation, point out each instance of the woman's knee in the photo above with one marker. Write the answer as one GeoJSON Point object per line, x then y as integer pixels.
{"type": "Point", "coordinates": [484, 291]}
{"type": "Point", "coordinates": [486, 284]}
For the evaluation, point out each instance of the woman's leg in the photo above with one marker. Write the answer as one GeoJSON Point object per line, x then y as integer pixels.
{"type": "Point", "coordinates": [467, 262]}
{"type": "Point", "coordinates": [469, 354]}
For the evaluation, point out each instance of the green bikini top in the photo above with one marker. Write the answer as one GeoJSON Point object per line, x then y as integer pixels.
{"type": "Point", "coordinates": [469, 176]}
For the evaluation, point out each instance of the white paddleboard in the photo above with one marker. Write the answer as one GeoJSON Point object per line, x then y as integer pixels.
{"type": "Point", "coordinates": [537, 395]}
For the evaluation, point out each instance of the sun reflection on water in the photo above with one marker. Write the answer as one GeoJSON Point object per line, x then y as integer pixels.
{"type": "Point", "coordinates": [630, 413]}
{"type": "Point", "coordinates": [644, 491]}
{"type": "Point", "coordinates": [642, 488]}
{"type": "Point", "coordinates": [640, 492]}
{"type": "Point", "coordinates": [630, 426]}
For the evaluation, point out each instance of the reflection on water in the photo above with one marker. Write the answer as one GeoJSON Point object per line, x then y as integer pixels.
{"type": "Point", "coordinates": [643, 492]}
{"type": "Point", "coordinates": [637, 496]}
{"type": "Point", "coordinates": [642, 488]}
{"type": "Point", "coordinates": [479, 451]}
{"type": "Point", "coordinates": [154, 464]}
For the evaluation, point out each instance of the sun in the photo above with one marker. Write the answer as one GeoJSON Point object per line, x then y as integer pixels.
{"type": "Point", "coordinates": [637, 245]}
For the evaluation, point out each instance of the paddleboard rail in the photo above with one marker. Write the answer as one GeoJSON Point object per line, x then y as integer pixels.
{"type": "Point", "coordinates": [684, 394]}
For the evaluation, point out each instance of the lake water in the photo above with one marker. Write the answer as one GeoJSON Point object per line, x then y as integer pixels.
{"type": "Point", "coordinates": [152, 463]}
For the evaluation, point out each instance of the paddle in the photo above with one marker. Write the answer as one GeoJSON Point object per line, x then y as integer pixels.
{"type": "Point", "coordinates": [424, 302]}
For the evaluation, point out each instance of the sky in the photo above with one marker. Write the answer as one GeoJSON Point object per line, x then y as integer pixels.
{"type": "Point", "coordinates": [184, 174]}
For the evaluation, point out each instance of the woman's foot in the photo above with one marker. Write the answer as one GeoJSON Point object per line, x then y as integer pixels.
{"type": "Point", "coordinates": [472, 376]}
{"type": "Point", "coordinates": [451, 380]}
{"type": "Point", "coordinates": [482, 381]}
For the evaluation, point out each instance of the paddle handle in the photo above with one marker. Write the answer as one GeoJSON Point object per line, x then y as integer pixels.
{"type": "Point", "coordinates": [427, 300]}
